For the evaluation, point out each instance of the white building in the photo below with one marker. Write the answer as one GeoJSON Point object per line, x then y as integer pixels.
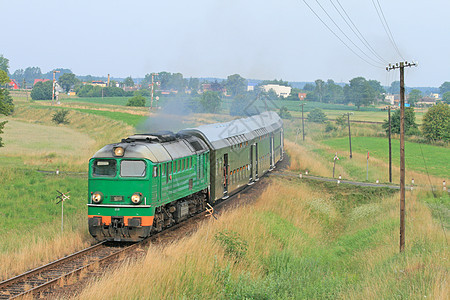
{"type": "Point", "coordinates": [281, 90]}
{"type": "Point", "coordinates": [389, 98]}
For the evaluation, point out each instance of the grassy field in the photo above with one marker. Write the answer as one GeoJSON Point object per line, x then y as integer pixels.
{"type": "Point", "coordinates": [435, 159]}
{"type": "Point", "coordinates": [313, 241]}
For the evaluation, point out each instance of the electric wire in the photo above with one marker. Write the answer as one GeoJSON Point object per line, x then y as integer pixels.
{"type": "Point", "coordinates": [331, 30]}
{"type": "Point", "coordinates": [338, 27]}
{"type": "Point", "coordinates": [360, 36]}
{"type": "Point", "coordinates": [386, 27]}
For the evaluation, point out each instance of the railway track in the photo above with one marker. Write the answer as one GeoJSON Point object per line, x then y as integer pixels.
{"type": "Point", "coordinates": [44, 280]}
{"type": "Point", "coordinates": [37, 280]}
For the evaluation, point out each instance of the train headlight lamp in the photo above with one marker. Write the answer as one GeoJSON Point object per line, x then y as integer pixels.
{"type": "Point", "coordinates": [119, 151]}
{"type": "Point", "coordinates": [97, 197]}
{"type": "Point", "coordinates": [136, 198]}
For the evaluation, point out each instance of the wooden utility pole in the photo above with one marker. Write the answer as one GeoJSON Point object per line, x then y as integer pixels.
{"type": "Point", "coordinates": [303, 122]}
{"type": "Point", "coordinates": [402, 66]}
{"type": "Point", "coordinates": [390, 148]}
{"type": "Point", "coordinates": [349, 133]}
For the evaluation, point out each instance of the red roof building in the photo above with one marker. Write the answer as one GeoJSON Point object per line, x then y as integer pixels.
{"type": "Point", "coordinates": [302, 96]}
{"type": "Point", "coordinates": [13, 85]}
{"type": "Point", "coordinates": [40, 80]}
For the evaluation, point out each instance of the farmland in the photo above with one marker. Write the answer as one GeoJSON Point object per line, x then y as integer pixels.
{"type": "Point", "coordinates": [314, 240]}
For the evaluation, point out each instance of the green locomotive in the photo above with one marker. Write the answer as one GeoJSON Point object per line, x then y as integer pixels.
{"type": "Point", "coordinates": [148, 182]}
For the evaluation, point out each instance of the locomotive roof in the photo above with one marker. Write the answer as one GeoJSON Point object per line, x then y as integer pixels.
{"type": "Point", "coordinates": [221, 135]}
{"type": "Point", "coordinates": [155, 147]}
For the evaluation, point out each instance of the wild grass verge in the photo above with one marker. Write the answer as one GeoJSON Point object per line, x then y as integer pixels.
{"type": "Point", "coordinates": [303, 243]}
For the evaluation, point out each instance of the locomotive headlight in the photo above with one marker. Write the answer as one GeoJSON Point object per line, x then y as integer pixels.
{"type": "Point", "coordinates": [97, 197]}
{"type": "Point", "coordinates": [118, 151]}
{"type": "Point", "coordinates": [136, 198]}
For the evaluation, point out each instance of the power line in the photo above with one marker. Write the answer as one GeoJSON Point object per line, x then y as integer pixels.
{"type": "Point", "coordinates": [360, 36]}
{"type": "Point", "coordinates": [331, 30]}
{"type": "Point", "coordinates": [338, 27]}
{"type": "Point", "coordinates": [386, 27]}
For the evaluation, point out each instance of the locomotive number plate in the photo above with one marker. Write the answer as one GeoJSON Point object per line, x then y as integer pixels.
{"type": "Point", "coordinates": [116, 198]}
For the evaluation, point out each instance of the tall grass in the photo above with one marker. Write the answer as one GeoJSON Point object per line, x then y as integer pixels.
{"type": "Point", "coordinates": [308, 242]}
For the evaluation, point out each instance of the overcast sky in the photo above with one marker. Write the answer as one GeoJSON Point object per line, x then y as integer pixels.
{"type": "Point", "coordinates": [216, 38]}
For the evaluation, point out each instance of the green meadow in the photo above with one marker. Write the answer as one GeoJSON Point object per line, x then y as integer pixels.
{"type": "Point", "coordinates": [312, 241]}
{"type": "Point", "coordinates": [418, 157]}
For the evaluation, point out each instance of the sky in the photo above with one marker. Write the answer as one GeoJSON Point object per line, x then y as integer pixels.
{"type": "Point", "coordinates": [215, 38]}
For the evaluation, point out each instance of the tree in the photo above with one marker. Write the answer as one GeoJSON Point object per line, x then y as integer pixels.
{"type": "Point", "coordinates": [395, 87]}
{"type": "Point", "coordinates": [411, 127]}
{"type": "Point", "coordinates": [293, 95]}
{"type": "Point", "coordinates": [446, 97]}
{"type": "Point", "coordinates": [67, 81]}
{"type": "Point", "coordinates": [245, 104]}
{"type": "Point", "coordinates": [333, 92]}
{"type": "Point", "coordinates": [317, 116]}
{"type": "Point", "coordinates": [32, 73]}
{"type": "Point", "coordinates": [319, 89]}
{"type": "Point", "coordinates": [60, 117]}
{"type": "Point", "coordinates": [6, 104]}
{"type": "Point", "coordinates": [414, 97]}
{"type": "Point", "coordinates": [194, 84]}
{"type": "Point", "coordinates": [359, 92]}
{"type": "Point", "coordinates": [284, 113]}
{"type": "Point", "coordinates": [210, 102]}
{"type": "Point", "coordinates": [445, 87]}
{"type": "Point", "coordinates": [4, 64]}
{"type": "Point", "coordinates": [128, 81]}
{"type": "Point", "coordinates": [436, 123]}
{"type": "Point", "coordinates": [308, 87]}
{"type": "Point", "coordinates": [236, 85]}
{"type": "Point", "coordinates": [136, 100]}
{"type": "Point", "coordinates": [42, 91]}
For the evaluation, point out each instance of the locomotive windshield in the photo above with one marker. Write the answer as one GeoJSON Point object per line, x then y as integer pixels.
{"type": "Point", "coordinates": [104, 167]}
{"type": "Point", "coordinates": [132, 168]}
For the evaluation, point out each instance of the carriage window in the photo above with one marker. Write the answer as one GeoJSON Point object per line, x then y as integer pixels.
{"type": "Point", "coordinates": [104, 167]}
{"type": "Point", "coordinates": [134, 168]}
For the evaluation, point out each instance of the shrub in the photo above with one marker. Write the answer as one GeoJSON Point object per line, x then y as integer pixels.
{"type": "Point", "coordinates": [137, 100]}
{"type": "Point", "coordinates": [317, 116]}
{"type": "Point", "coordinates": [330, 127]}
{"type": "Point", "coordinates": [340, 121]}
{"type": "Point", "coordinates": [436, 123]}
{"type": "Point", "coordinates": [232, 242]}
{"type": "Point", "coordinates": [410, 122]}
{"type": "Point", "coordinates": [42, 91]}
{"type": "Point", "coordinates": [60, 117]}
{"type": "Point", "coordinates": [284, 113]}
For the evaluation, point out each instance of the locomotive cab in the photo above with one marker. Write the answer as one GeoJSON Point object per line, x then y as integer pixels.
{"type": "Point", "coordinates": [120, 198]}
{"type": "Point", "coordinates": [144, 184]}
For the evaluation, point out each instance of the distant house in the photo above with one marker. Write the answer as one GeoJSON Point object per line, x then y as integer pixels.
{"type": "Point", "coordinates": [206, 87]}
{"type": "Point", "coordinates": [13, 85]}
{"type": "Point", "coordinates": [435, 96]}
{"type": "Point", "coordinates": [389, 98]}
{"type": "Point", "coordinates": [281, 90]}
{"type": "Point", "coordinates": [426, 101]}
{"type": "Point", "coordinates": [40, 80]}
{"type": "Point", "coordinates": [99, 83]}
{"type": "Point", "coordinates": [251, 87]}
